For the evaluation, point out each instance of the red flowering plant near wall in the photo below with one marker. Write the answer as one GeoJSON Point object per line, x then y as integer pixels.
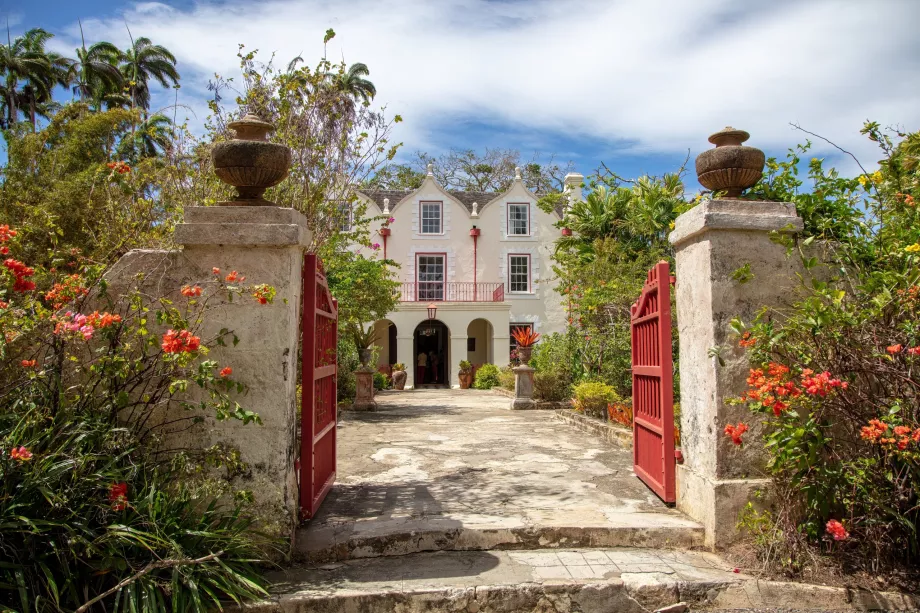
{"type": "Point", "coordinates": [834, 378]}
{"type": "Point", "coordinates": [89, 385]}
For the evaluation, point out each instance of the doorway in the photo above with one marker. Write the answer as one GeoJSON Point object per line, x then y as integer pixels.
{"type": "Point", "coordinates": [431, 339]}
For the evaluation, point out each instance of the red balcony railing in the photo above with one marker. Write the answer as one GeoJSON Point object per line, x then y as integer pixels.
{"type": "Point", "coordinates": [437, 291]}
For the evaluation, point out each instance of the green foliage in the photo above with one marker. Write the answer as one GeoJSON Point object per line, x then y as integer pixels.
{"type": "Point", "coordinates": [592, 398]}
{"type": "Point", "coordinates": [465, 366]}
{"type": "Point", "coordinates": [506, 378]}
{"type": "Point", "coordinates": [551, 385]}
{"type": "Point", "coordinates": [399, 366]}
{"type": "Point", "coordinates": [348, 363]}
{"type": "Point", "coordinates": [486, 377]}
{"type": "Point", "coordinates": [381, 382]}
{"type": "Point", "coordinates": [854, 316]}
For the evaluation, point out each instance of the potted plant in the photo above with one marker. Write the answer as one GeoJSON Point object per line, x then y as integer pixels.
{"type": "Point", "coordinates": [399, 376]}
{"type": "Point", "coordinates": [466, 374]}
{"type": "Point", "coordinates": [525, 338]}
{"type": "Point", "coordinates": [364, 340]}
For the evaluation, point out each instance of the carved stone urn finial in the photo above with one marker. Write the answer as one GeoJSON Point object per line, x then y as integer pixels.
{"type": "Point", "coordinates": [249, 162]}
{"type": "Point", "coordinates": [730, 167]}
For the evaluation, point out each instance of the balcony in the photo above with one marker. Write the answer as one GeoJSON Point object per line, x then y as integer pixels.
{"type": "Point", "coordinates": [438, 291]}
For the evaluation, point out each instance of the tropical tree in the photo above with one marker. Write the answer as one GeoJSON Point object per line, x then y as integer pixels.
{"type": "Point", "coordinates": [21, 60]}
{"type": "Point", "coordinates": [38, 90]}
{"type": "Point", "coordinates": [95, 70]}
{"type": "Point", "coordinates": [143, 61]}
{"type": "Point", "coordinates": [352, 83]}
{"type": "Point", "coordinates": [150, 138]}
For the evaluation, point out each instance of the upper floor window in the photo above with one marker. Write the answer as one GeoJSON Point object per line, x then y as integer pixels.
{"type": "Point", "coordinates": [519, 274]}
{"type": "Point", "coordinates": [431, 217]}
{"type": "Point", "coordinates": [519, 219]}
{"type": "Point", "coordinates": [346, 216]}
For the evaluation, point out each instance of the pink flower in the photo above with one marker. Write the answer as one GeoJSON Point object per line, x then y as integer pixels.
{"type": "Point", "coordinates": [836, 530]}
{"type": "Point", "coordinates": [375, 246]}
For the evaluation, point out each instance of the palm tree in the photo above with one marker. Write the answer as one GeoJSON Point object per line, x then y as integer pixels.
{"type": "Point", "coordinates": [95, 70]}
{"type": "Point", "coordinates": [151, 137]}
{"type": "Point", "coordinates": [38, 90]}
{"type": "Point", "coordinates": [20, 61]}
{"type": "Point", "coordinates": [352, 83]}
{"type": "Point", "coordinates": [143, 61]}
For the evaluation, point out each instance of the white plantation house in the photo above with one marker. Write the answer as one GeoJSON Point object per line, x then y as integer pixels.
{"type": "Point", "coordinates": [473, 265]}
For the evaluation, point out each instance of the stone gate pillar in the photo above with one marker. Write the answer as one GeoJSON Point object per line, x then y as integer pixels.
{"type": "Point", "coordinates": [711, 242]}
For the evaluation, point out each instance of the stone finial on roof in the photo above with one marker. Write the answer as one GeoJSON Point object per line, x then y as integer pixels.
{"type": "Point", "coordinates": [430, 170]}
{"type": "Point", "coordinates": [386, 206]}
{"type": "Point", "coordinates": [573, 182]}
{"type": "Point", "coordinates": [475, 212]}
{"type": "Point", "coordinates": [517, 173]}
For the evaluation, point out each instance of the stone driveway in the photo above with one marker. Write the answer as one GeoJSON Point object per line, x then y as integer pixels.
{"type": "Point", "coordinates": [456, 469]}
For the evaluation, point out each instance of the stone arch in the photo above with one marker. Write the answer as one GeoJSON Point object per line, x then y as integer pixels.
{"type": "Point", "coordinates": [432, 337]}
{"type": "Point", "coordinates": [479, 335]}
{"type": "Point", "coordinates": [385, 340]}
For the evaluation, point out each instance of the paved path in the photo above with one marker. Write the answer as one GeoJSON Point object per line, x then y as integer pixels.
{"type": "Point", "coordinates": [456, 469]}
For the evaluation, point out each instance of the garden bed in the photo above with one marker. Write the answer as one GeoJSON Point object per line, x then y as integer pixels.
{"type": "Point", "coordinates": [541, 405]}
{"type": "Point", "coordinates": [609, 431]}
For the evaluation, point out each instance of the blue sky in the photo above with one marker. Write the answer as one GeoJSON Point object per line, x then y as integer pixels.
{"type": "Point", "coordinates": [633, 83]}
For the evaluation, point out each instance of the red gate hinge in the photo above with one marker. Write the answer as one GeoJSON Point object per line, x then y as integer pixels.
{"type": "Point", "coordinates": [679, 456]}
{"type": "Point", "coordinates": [672, 279]}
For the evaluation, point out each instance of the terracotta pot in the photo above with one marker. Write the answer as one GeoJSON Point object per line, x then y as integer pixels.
{"type": "Point", "coordinates": [466, 379]}
{"type": "Point", "coordinates": [399, 379]}
{"type": "Point", "coordinates": [730, 167]}
{"type": "Point", "coordinates": [249, 162]}
{"type": "Point", "coordinates": [524, 354]}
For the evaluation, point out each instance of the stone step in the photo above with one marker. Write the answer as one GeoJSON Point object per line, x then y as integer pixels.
{"type": "Point", "coordinates": [583, 580]}
{"type": "Point", "coordinates": [607, 580]}
{"type": "Point", "coordinates": [395, 536]}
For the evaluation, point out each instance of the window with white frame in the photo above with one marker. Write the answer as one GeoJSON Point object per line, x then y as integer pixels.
{"type": "Point", "coordinates": [519, 273]}
{"type": "Point", "coordinates": [346, 216]}
{"type": "Point", "coordinates": [431, 217]}
{"type": "Point", "coordinates": [518, 219]}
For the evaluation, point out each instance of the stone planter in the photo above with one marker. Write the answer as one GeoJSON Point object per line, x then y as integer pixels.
{"type": "Point", "coordinates": [730, 167]}
{"type": "Point", "coordinates": [364, 355]}
{"type": "Point", "coordinates": [466, 379]}
{"type": "Point", "coordinates": [249, 162]}
{"type": "Point", "coordinates": [524, 354]}
{"type": "Point", "coordinates": [399, 379]}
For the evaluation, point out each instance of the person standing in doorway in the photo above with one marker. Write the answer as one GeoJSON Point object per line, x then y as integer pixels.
{"type": "Point", "coordinates": [420, 371]}
{"type": "Point", "coordinates": [436, 366]}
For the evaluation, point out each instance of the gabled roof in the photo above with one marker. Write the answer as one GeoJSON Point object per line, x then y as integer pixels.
{"type": "Point", "coordinates": [465, 198]}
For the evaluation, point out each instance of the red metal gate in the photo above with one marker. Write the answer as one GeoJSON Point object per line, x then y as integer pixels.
{"type": "Point", "coordinates": [319, 332]}
{"type": "Point", "coordinates": [653, 384]}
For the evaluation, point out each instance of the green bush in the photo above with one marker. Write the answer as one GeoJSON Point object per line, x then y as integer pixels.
{"type": "Point", "coordinates": [592, 398]}
{"type": "Point", "coordinates": [381, 382]}
{"type": "Point", "coordinates": [506, 378]}
{"type": "Point", "coordinates": [487, 377]}
{"type": "Point", "coordinates": [348, 363]}
{"type": "Point", "coordinates": [551, 386]}
{"type": "Point", "coordinates": [465, 365]}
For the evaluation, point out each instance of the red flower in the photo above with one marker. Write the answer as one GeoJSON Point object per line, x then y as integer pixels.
{"type": "Point", "coordinates": [191, 291]}
{"type": "Point", "coordinates": [215, 270]}
{"type": "Point", "coordinates": [234, 276]}
{"type": "Point", "coordinates": [747, 340]}
{"type": "Point", "coordinates": [118, 496]}
{"type": "Point", "coordinates": [874, 431]}
{"type": "Point", "coordinates": [226, 371]}
{"type": "Point", "coordinates": [735, 432]}
{"type": "Point", "coordinates": [914, 350]}
{"type": "Point", "coordinates": [4, 250]}
{"type": "Point", "coordinates": [20, 454]}
{"type": "Point", "coordinates": [182, 341]}
{"type": "Point", "coordinates": [29, 363]}
{"type": "Point", "coordinates": [836, 530]}
{"type": "Point", "coordinates": [892, 349]}
{"type": "Point", "coordinates": [3, 305]}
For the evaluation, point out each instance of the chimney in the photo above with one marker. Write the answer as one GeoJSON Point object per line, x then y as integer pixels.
{"type": "Point", "coordinates": [573, 182]}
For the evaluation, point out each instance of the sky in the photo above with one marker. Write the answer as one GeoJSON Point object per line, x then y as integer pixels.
{"type": "Point", "coordinates": [637, 84]}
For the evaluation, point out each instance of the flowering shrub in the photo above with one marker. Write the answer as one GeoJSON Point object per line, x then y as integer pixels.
{"type": "Point", "coordinates": [620, 413]}
{"type": "Point", "coordinates": [835, 376]}
{"type": "Point", "coordinates": [592, 398]}
{"type": "Point", "coordinates": [88, 388]}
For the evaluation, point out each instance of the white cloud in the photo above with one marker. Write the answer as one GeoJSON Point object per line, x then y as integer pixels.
{"type": "Point", "coordinates": [653, 76]}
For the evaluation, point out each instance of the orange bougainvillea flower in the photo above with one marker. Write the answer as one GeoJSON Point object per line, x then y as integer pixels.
{"type": "Point", "coordinates": [914, 350]}
{"type": "Point", "coordinates": [215, 270]}
{"type": "Point", "coordinates": [836, 530]}
{"type": "Point", "coordinates": [20, 454]}
{"type": "Point", "coordinates": [735, 432]}
{"type": "Point", "coordinates": [118, 496]}
{"type": "Point", "coordinates": [226, 371]}
{"type": "Point", "coordinates": [102, 320]}
{"type": "Point", "coordinates": [182, 341]}
{"type": "Point", "coordinates": [191, 291]}
{"type": "Point", "coordinates": [3, 305]}
{"type": "Point", "coordinates": [874, 431]}
{"type": "Point", "coordinates": [747, 340]}
{"type": "Point", "coordinates": [234, 277]}
{"type": "Point", "coordinates": [892, 349]}
{"type": "Point", "coordinates": [29, 363]}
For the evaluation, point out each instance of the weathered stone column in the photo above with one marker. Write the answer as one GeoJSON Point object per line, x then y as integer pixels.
{"type": "Point", "coordinates": [711, 242]}
{"type": "Point", "coordinates": [364, 390]}
{"type": "Point", "coordinates": [523, 387]}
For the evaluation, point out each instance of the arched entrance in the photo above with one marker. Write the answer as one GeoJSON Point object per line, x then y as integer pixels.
{"type": "Point", "coordinates": [479, 342]}
{"type": "Point", "coordinates": [431, 338]}
{"type": "Point", "coordinates": [385, 339]}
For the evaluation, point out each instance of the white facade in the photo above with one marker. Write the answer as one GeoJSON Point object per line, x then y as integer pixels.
{"type": "Point", "coordinates": [482, 286]}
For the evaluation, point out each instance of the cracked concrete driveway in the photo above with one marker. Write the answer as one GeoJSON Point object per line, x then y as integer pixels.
{"type": "Point", "coordinates": [456, 469]}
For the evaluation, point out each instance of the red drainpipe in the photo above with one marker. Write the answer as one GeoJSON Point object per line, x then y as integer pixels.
{"type": "Point", "coordinates": [474, 232]}
{"type": "Point", "coordinates": [384, 232]}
